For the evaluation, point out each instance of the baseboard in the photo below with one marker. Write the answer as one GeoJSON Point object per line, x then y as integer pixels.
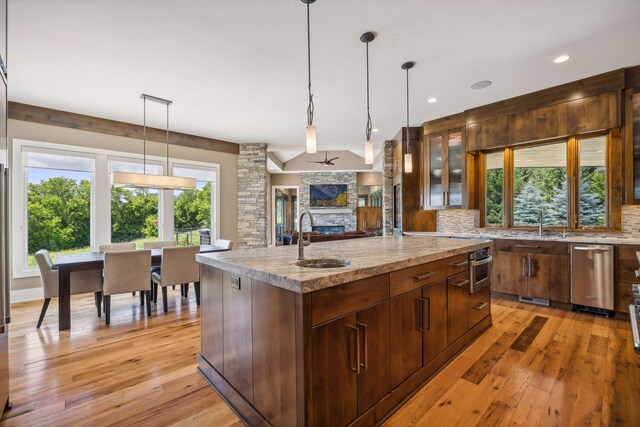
{"type": "Point", "coordinates": [24, 295]}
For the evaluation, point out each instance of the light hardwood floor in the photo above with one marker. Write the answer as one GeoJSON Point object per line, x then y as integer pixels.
{"type": "Point", "coordinates": [534, 366]}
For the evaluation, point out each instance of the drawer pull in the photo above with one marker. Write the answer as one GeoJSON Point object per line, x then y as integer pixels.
{"type": "Point", "coordinates": [460, 264]}
{"type": "Point", "coordinates": [423, 276]}
{"type": "Point", "coordinates": [460, 284]}
{"type": "Point", "coordinates": [480, 306]}
{"type": "Point", "coordinates": [528, 247]}
{"type": "Point", "coordinates": [357, 350]}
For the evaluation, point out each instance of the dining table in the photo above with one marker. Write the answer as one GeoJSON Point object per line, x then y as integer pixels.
{"type": "Point", "coordinates": [68, 263]}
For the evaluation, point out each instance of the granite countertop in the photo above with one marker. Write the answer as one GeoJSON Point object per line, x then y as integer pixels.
{"type": "Point", "coordinates": [603, 239]}
{"type": "Point", "coordinates": [369, 257]}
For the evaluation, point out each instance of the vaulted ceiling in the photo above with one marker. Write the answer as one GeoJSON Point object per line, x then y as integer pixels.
{"type": "Point", "coordinates": [236, 70]}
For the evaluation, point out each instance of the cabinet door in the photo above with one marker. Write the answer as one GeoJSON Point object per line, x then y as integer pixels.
{"type": "Point", "coordinates": [457, 306]}
{"type": "Point", "coordinates": [238, 351]}
{"type": "Point", "coordinates": [373, 380]}
{"type": "Point", "coordinates": [435, 319]}
{"type": "Point", "coordinates": [479, 306]}
{"type": "Point", "coordinates": [435, 166]}
{"type": "Point", "coordinates": [549, 277]}
{"type": "Point", "coordinates": [508, 272]}
{"type": "Point", "coordinates": [335, 379]}
{"type": "Point", "coordinates": [453, 188]}
{"type": "Point", "coordinates": [211, 337]}
{"type": "Point", "coordinates": [406, 335]}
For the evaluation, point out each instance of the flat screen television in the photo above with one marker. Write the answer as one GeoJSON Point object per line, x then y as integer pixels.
{"type": "Point", "coordinates": [328, 195]}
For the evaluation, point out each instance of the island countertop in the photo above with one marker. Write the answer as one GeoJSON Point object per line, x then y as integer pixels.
{"type": "Point", "coordinates": [369, 257]}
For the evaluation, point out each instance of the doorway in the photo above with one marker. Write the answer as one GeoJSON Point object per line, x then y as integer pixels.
{"type": "Point", "coordinates": [284, 213]}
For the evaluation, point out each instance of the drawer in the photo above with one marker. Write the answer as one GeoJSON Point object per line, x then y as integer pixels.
{"type": "Point", "coordinates": [531, 246]}
{"type": "Point", "coordinates": [479, 306]}
{"type": "Point", "coordinates": [331, 303]}
{"type": "Point", "coordinates": [626, 264]}
{"type": "Point", "coordinates": [414, 277]}
{"type": "Point", "coordinates": [623, 297]}
{"type": "Point", "coordinates": [457, 264]}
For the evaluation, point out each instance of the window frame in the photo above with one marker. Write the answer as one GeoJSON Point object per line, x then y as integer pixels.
{"type": "Point", "coordinates": [573, 177]}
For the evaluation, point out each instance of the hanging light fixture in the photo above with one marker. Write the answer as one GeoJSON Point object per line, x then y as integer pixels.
{"type": "Point", "coordinates": [143, 180]}
{"type": "Point", "coordinates": [311, 129]}
{"type": "Point", "coordinates": [368, 144]}
{"type": "Point", "coordinates": [408, 157]}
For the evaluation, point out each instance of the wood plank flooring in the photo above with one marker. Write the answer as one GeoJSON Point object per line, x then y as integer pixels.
{"type": "Point", "coordinates": [534, 366]}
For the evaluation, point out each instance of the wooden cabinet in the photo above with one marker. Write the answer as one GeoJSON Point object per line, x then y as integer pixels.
{"type": "Point", "coordinates": [533, 269]}
{"type": "Point", "coordinates": [211, 338]}
{"type": "Point", "coordinates": [444, 154]}
{"type": "Point", "coordinates": [626, 264]}
{"type": "Point", "coordinates": [369, 217]}
{"type": "Point", "coordinates": [434, 300]}
{"type": "Point", "coordinates": [457, 306]}
{"type": "Point", "coordinates": [479, 306]}
{"type": "Point", "coordinates": [406, 338]}
{"type": "Point", "coordinates": [350, 365]}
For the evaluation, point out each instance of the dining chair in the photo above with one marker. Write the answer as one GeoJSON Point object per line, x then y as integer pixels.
{"type": "Point", "coordinates": [128, 246]}
{"type": "Point", "coordinates": [82, 282]}
{"type": "Point", "coordinates": [126, 271]}
{"type": "Point", "coordinates": [179, 266]}
{"type": "Point", "coordinates": [221, 243]}
{"type": "Point", "coordinates": [158, 245]}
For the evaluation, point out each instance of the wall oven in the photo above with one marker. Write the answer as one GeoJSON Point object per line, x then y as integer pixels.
{"type": "Point", "coordinates": [479, 269]}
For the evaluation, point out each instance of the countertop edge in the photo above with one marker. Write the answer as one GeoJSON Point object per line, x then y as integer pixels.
{"type": "Point", "coordinates": [546, 238]}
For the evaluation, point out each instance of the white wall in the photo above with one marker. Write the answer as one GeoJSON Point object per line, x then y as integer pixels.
{"type": "Point", "coordinates": [53, 134]}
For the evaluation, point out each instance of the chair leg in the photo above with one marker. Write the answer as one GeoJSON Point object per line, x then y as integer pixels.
{"type": "Point", "coordinates": [165, 304]}
{"type": "Point", "coordinates": [107, 308]}
{"type": "Point", "coordinates": [155, 293]}
{"type": "Point", "coordinates": [99, 303]}
{"type": "Point", "coordinates": [186, 290]}
{"type": "Point", "coordinates": [173, 287]}
{"type": "Point", "coordinates": [141, 297]}
{"type": "Point", "coordinates": [133, 293]}
{"type": "Point", "coordinates": [45, 305]}
{"type": "Point", "coordinates": [148, 302]}
{"type": "Point", "coordinates": [196, 285]}
{"type": "Point", "coordinates": [182, 290]}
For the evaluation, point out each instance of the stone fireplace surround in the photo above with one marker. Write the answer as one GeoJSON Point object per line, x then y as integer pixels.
{"type": "Point", "coordinates": [344, 217]}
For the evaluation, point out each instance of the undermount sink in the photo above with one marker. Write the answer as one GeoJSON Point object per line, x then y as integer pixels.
{"type": "Point", "coordinates": [323, 263]}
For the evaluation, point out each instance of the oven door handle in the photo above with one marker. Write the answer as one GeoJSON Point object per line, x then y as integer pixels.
{"type": "Point", "coordinates": [487, 260]}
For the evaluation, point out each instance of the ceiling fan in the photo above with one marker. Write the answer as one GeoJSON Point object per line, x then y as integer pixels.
{"type": "Point", "coordinates": [326, 161]}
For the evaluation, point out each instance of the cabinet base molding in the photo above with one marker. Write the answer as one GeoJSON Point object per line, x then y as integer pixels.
{"type": "Point", "coordinates": [236, 402]}
{"type": "Point", "coordinates": [512, 297]}
{"type": "Point", "coordinates": [401, 394]}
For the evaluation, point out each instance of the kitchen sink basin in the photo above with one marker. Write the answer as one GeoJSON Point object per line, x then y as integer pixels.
{"type": "Point", "coordinates": [323, 263]}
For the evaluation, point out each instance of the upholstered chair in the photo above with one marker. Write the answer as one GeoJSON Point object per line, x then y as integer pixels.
{"type": "Point", "coordinates": [128, 246]}
{"type": "Point", "coordinates": [126, 271]}
{"type": "Point", "coordinates": [178, 267]}
{"type": "Point", "coordinates": [82, 282]}
{"type": "Point", "coordinates": [158, 245]}
{"type": "Point", "coordinates": [221, 243]}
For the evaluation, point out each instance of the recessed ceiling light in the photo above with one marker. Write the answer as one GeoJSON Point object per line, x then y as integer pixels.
{"type": "Point", "coordinates": [562, 58]}
{"type": "Point", "coordinates": [432, 100]}
{"type": "Point", "coordinates": [481, 84]}
{"type": "Point", "coordinates": [375, 130]}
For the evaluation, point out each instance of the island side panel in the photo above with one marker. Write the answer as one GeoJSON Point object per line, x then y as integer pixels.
{"type": "Point", "coordinates": [211, 317]}
{"type": "Point", "coordinates": [274, 353]}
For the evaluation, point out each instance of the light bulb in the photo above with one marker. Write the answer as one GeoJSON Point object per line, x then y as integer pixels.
{"type": "Point", "coordinates": [408, 163]}
{"type": "Point", "coordinates": [368, 153]}
{"type": "Point", "coordinates": [311, 139]}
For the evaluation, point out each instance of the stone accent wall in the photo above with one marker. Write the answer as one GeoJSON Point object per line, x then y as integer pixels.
{"type": "Point", "coordinates": [252, 196]}
{"type": "Point", "coordinates": [631, 221]}
{"type": "Point", "coordinates": [330, 216]}
{"type": "Point", "coordinates": [387, 188]}
{"type": "Point", "coordinates": [456, 220]}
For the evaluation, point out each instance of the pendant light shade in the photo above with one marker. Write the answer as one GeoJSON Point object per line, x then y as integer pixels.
{"type": "Point", "coordinates": [367, 38]}
{"type": "Point", "coordinates": [311, 129]}
{"type": "Point", "coordinates": [144, 180]}
{"type": "Point", "coordinates": [368, 152]}
{"type": "Point", "coordinates": [311, 139]}
{"type": "Point", "coordinates": [408, 158]}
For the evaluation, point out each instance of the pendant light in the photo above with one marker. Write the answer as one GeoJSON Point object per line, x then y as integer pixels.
{"type": "Point", "coordinates": [368, 144]}
{"type": "Point", "coordinates": [311, 129]}
{"type": "Point", "coordinates": [408, 157]}
{"type": "Point", "coordinates": [142, 180]}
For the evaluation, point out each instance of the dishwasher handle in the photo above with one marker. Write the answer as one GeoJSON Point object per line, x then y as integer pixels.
{"type": "Point", "coordinates": [590, 249]}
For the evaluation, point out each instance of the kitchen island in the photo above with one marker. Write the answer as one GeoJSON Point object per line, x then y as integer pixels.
{"type": "Point", "coordinates": [288, 345]}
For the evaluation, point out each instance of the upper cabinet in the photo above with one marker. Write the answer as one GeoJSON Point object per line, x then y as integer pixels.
{"type": "Point", "coordinates": [444, 166]}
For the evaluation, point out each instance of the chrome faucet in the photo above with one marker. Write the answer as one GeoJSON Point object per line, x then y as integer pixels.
{"type": "Point", "coordinates": [539, 222]}
{"type": "Point", "coordinates": [301, 242]}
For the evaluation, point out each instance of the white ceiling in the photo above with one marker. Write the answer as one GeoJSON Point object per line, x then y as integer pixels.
{"type": "Point", "coordinates": [236, 70]}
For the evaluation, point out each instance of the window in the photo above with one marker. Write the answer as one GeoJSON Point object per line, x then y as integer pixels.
{"type": "Point", "coordinates": [134, 211]}
{"type": "Point", "coordinates": [59, 197]}
{"type": "Point", "coordinates": [591, 206]}
{"type": "Point", "coordinates": [540, 183]}
{"type": "Point", "coordinates": [565, 180]}
{"type": "Point", "coordinates": [193, 209]}
{"type": "Point", "coordinates": [362, 201]}
{"type": "Point", "coordinates": [494, 191]}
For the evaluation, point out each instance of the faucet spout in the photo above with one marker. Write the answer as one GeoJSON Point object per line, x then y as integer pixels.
{"type": "Point", "coordinates": [301, 242]}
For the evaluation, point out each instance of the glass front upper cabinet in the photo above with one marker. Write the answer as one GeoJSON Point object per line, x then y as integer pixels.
{"type": "Point", "coordinates": [444, 165]}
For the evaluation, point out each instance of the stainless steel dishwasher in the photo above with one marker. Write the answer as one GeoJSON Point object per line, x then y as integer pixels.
{"type": "Point", "coordinates": [592, 278]}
